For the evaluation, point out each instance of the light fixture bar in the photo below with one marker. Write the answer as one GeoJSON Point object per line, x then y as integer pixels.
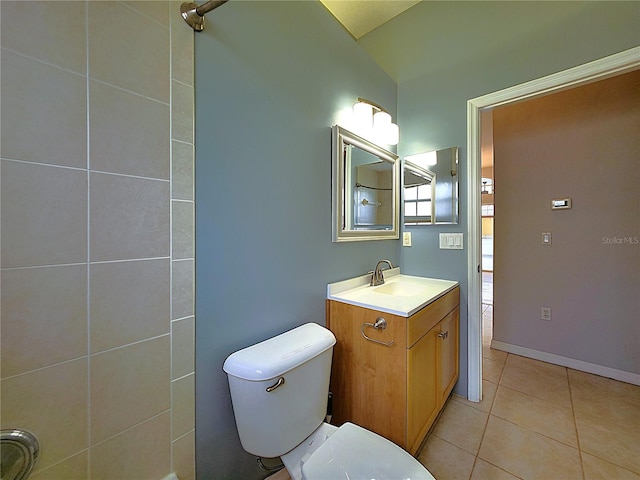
{"type": "Point", "coordinates": [373, 104]}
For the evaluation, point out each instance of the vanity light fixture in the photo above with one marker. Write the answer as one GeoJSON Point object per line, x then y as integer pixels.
{"type": "Point", "coordinates": [371, 120]}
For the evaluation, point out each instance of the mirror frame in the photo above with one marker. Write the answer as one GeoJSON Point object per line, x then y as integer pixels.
{"type": "Point", "coordinates": [339, 193]}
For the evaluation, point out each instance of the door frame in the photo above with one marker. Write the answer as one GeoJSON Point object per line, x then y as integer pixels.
{"type": "Point", "coordinates": [610, 66]}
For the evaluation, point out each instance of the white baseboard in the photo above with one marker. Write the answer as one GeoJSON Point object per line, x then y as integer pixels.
{"type": "Point", "coordinates": [608, 372]}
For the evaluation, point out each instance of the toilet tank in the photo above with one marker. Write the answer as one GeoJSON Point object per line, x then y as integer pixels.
{"type": "Point", "coordinates": [279, 389]}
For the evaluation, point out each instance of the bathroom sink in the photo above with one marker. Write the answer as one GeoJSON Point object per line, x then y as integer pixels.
{"type": "Point", "coordinates": [400, 294]}
{"type": "Point", "coordinates": [401, 289]}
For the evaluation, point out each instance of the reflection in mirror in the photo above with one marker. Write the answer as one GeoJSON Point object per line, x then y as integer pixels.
{"type": "Point", "coordinates": [419, 188]}
{"type": "Point", "coordinates": [437, 201]}
{"type": "Point", "coordinates": [366, 189]}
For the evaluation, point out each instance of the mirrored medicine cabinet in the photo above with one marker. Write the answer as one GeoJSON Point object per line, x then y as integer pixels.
{"type": "Point", "coordinates": [430, 188]}
{"type": "Point", "coordinates": [365, 199]}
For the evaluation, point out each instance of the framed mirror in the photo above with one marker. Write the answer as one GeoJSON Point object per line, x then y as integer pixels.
{"type": "Point", "coordinates": [430, 194]}
{"type": "Point", "coordinates": [419, 192]}
{"type": "Point", "coordinates": [365, 201]}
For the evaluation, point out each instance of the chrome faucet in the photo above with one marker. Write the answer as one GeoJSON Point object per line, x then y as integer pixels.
{"type": "Point", "coordinates": [377, 278]}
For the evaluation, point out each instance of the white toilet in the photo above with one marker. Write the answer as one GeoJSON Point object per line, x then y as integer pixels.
{"type": "Point", "coordinates": [279, 390]}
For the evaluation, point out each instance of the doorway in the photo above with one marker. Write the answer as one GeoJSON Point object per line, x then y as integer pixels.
{"type": "Point", "coordinates": [487, 214]}
{"type": "Point", "coordinates": [609, 66]}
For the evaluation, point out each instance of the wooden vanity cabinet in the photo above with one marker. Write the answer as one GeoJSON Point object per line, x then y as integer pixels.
{"type": "Point", "coordinates": [397, 389]}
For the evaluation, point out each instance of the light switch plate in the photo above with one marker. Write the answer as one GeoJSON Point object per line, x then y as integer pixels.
{"type": "Point", "coordinates": [451, 241]}
{"type": "Point", "coordinates": [406, 239]}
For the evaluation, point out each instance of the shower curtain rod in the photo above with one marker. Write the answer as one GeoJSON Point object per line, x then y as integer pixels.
{"type": "Point", "coordinates": [194, 14]}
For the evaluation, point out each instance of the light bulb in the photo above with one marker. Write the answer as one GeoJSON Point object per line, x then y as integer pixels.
{"type": "Point", "coordinates": [392, 134]}
{"type": "Point", "coordinates": [363, 115]}
{"type": "Point", "coordinates": [381, 121]}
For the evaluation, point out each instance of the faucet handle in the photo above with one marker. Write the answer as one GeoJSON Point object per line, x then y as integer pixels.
{"type": "Point", "coordinates": [373, 278]}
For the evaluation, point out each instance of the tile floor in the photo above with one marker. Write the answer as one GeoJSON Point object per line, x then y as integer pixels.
{"type": "Point", "coordinates": [537, 421]}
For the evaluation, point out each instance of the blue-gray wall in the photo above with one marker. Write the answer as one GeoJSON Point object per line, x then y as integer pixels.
{"type": "Point", "coordinates": [271, 78]}
{"type": "Point", "coordinates": [444, 53]}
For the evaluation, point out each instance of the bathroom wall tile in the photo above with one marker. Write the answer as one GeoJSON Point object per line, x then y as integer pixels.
{"type": "Point", "coordinates": [182, 112]}
{"type": "Point", "coordinates": [113, 30]}
{"type": "Point", "coordinates": [182, 47]}
{"type": "Point", "coordinates": [52, 404]}
{"type": "Point", "coordinates": [182, 171]}
{"type": "Point", "coordinates": [44, 222]}
{"type": "Point", "coordinates": [182, 347]}
{"type": "Point", "coordinates": [129, 217]}
{"type": "Point", "coordinates": [183, 412]}
{"type": "Point", "coordinates": [129, 385]}
{"type": "Point", "coordinates": [143, 452]}
{"type": "Point", "coordinates": [44, 112]}
{"type": "Point", "coordinates": [519, 451]}
{"type": "Point", "coordinates": [183, 230]}
{"type": "Point", "coordinates": [182, 289]}
{"type": "Point", "coordinates": [129, 302]}
{"type": "Point", "coordinates": [157, 10]}
{"type": "Point", "coordinates": [50, 31]}
{"type": "Point", "coordinates": [444, 460]}
{"type": "Point", "coordinates": [534, 414]}
{"type": "Point", "coordinates": [184, 457]}
{"type": "Point", "coordinates": [44, 317]}
{"type": "Point", "coordinates": [462, 426]}
{"type": "Point", "coordinates": [44, 215]}
{"type": "Point", "coordinates": [598, 469]}
{"type": "Point", "coordinates": [129, 134]}
{"type": "Point", "coordinates": [74, 468]}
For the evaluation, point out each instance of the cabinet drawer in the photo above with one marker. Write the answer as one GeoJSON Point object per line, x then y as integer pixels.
{"type": "Point", "coordinates": [424, 320]}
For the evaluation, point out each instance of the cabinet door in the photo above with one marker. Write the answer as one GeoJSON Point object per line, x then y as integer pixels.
{"type": "Point", "coordinates": [422, 401]}
{"type": "Point", "coordinates": [448, 358]}
{"type": "Point", "coordinates": [368, 380]}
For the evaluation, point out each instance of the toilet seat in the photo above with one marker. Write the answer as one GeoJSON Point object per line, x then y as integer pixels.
{"type": "Point", "coordinates": [355, 453]}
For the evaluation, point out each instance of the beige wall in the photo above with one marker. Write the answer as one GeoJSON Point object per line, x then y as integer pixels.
{"type": "Point", "coordinates": [97, 236]}
{"type": "Point", "coordinates": [582, 143]}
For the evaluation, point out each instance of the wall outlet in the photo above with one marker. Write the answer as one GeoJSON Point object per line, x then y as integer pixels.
{"type": "Point", "coordinates": [545, 313]}
{"type": "Point", "coordinates": [406, 239]}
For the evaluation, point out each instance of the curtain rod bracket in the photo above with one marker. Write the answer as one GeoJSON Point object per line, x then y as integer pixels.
{"type": "Point", "coordinates": [194, 14]}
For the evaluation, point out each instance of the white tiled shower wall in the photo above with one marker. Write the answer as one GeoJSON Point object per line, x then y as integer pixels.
{"type": "Point", "coordinates": [97, 236]}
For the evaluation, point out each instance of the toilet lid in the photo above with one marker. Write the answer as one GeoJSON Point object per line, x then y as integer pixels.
{"type": "Point", "coordinates": [357, 454]}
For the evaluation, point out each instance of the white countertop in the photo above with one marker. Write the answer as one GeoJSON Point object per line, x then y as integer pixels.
{"type": "Point", "coordinates": [414, 293]}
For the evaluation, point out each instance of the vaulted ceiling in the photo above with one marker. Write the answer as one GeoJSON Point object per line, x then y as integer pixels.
{"type": "Point", "coordinates": [359, 17]}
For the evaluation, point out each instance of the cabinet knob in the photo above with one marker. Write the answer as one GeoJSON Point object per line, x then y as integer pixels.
{"type": "Point", "coordinates": [443, 335]}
